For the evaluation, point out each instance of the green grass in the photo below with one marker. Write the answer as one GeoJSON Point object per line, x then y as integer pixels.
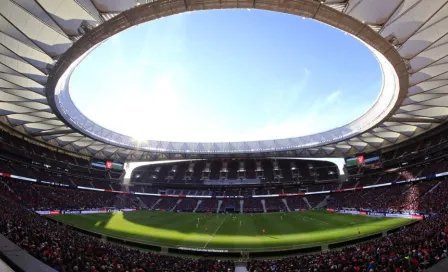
{"type": "Point", "coordinates": [295, 230]}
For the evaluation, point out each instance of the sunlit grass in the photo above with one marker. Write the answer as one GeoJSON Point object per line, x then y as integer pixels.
{"type": "Point", "coordinates": [234, 231]}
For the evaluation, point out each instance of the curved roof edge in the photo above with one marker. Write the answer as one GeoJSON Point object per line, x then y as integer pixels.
{"type": "Point", "coordinates": [417, 31]}
{"type": "Point", "coordinates": [395, 82]}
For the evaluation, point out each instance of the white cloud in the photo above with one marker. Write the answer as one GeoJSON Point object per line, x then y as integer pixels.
{"type": "Point", "coordinates": [333, 96]}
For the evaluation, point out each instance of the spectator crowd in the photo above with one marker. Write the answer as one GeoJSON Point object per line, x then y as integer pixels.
{"type": "Point", "coordinates": [67, 250]}
{"type": "Point", "coordinates": [412, 249]}
{"type": "Point", "coordinates": [415, 248]}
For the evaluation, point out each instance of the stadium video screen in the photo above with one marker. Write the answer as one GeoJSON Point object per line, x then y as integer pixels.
{"type": "Point", "coordinates": [371, 162]}
{"type": "Point", "coordinates": [358, 160]}
{"type": "Point", "coordinates": [108, 165]}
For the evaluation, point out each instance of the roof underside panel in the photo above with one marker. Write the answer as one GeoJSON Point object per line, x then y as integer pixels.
{"type": "Point", "coordinates": [34, 34]}
{"type": "Point", "coordinates": [28, 53]}
{"type": "Point", "coordinates": [24, 69]}
{"type": "Point", "coordinates": [368, 11]}
{"type": "Point", "coordinates": [114, 6]}
{"type": "Point", "coordinates": [7, 28]}
{"type": "Point", "coordinates": [68, 14]}
{"type": "Point", "coordinates": [41, 35]}
{"type": "Point", "coordinates": [19, 79]}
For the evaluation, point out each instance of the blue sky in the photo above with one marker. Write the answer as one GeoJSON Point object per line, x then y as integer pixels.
{"type": "Point", "coordinates": [226, 75]}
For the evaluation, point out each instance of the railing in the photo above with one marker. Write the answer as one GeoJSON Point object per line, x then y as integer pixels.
{"type": "Point", "coordinates": [19, 259]}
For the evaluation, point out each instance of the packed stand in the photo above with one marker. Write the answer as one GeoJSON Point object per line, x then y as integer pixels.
{"type": "Point", "coordinates": [274, 205]}
{"type": "Point", "coordinates": [315, 200]}
{"type": "Point", "coordinates": [41, 197]}
{"type": "Point", "coordinates": [66, 250]}
{"type": "Point", "coordinates": [166, 204]}
{"type": "Point", "coordinates": [208, 205]}
{"type": "Point", "coordinates": [405, 197]}
{"type": "Point", "coordinates": [436, 195]}
{"type": "Point", "coordinates": [252, 205]}
{"type": "Point", "coordinates": [187, 205]}
{"type": "Point", "coordinates": [415, 248]}
{"type": "Point", "coordinates": [297, 203]}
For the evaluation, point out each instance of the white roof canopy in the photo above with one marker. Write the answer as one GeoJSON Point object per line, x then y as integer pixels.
{"type": "Point", "coordinates": [35, 34]}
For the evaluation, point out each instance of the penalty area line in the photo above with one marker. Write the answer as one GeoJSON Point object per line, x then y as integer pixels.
{"type": "Point", "coordinates": [213, 235]}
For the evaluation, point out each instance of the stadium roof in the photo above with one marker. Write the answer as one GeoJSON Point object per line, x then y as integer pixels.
{"type": "Point", "coordinates": [34, 35]}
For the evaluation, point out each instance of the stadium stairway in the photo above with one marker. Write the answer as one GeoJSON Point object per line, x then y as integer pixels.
{"type": "Point", "coordinates": [263, 203]}
{"type": "Point", "coordinates": [219, 206]}
{"type": "Point", "coordinates": [241, 206]}
{"type": "Point", "coordinates": [71, 181]}
{"type": "Point", "coordinates": [7, 186]}
{"type": "Point", "coordinates": [433, 188]}
{"type": "Point", "coordinates": [286, 204]}
{"type": "Point", "coordinates": [441, 266]}
{"type": "Point", "coordinates": [177, 203]}
{"type": "Point", "coordinates": [197, 205]}
{"type": "Point", "coordinates": [323, 203]}
{"type": "Point", "coordinates": [141, 203]}
{"type": "Point", "coordinates": [307, 203]}
{"type": "Point", "coordinates": [155, 204]}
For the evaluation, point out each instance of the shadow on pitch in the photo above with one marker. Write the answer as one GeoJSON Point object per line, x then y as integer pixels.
{"type": "Point", "coordinates": [292, 223]}
{"type": "Point", "coordinates": [185, 223]}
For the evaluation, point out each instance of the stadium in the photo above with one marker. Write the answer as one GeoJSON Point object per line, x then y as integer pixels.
{"type": "Point", "coordinates": [180, 185]}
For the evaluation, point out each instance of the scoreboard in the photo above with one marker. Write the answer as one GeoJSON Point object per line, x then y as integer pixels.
{"type": "Point", "coordinates": [108, 165]}
{"type": "Point", "coordinates": [373, 161]}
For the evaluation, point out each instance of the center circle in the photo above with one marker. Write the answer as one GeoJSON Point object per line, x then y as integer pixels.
{"type": "Point", "coordinates": [226, 75]}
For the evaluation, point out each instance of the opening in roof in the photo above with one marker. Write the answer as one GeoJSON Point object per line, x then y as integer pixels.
{"type": "Point", "coordinates": [226, 75]}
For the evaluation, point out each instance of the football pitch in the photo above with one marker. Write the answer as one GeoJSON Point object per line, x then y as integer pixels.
{"type": "Point", "coordinates": [233, 231]}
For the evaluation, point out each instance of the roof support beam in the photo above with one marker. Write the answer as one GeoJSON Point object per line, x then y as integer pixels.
{"type": "Point", "coordinates": [21, 74]}
{"type": "Point", "coordinates": [50, 133]}
{"type": "Point", "coordinates": [347, 11]}
{"type": "Point", "coordinates": [414, 120]}
{"type": "Point", "coordinates": [24, 60]}
{"type": "Point", "coordinates": [422, 25]}
{"type": "Point", "coordinates": [96, 16]}
{"type": "Point", "coordinates": [388, 22]}
{"type": "Point", "coordinates": [60, 30]}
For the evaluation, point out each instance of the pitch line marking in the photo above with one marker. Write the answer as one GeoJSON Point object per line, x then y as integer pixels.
{"type": "Point", "coordinates": [314, 219]}
{"type": "Point", "coordinates": [213, 235]}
